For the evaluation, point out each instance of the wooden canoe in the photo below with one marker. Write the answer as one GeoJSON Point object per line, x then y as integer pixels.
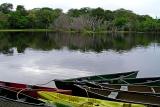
{"type": "Point", "coordinates": [152, 81]}
{"type": "Point", "coordinates": [31, 90]}
{"type": "Point", "coordinates": [68, 83]}
{"type": "Point", "coordinates": [74, 101]}
{"type": "Point", "coordinates": [10, 98]}
{"type": "Point", "coordinates": [130, 88]}
{"type": "Point", "coordinates": [114, 95]}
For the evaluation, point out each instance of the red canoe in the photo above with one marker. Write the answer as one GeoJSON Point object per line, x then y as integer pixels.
{"type": "Point", "coordinates": [31, 90]}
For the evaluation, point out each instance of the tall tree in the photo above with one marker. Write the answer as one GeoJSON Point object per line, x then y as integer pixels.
{"type": "Point", "coordinates": [3, 21]}
{"type": "Point", "coordinates": [19, 18]}
{"type": "Point", "coordinates": [6, 8]}
{"type": "Point", "coordinates": [98, 13]}
{"type": "Point", "coordinates": [21, 10]}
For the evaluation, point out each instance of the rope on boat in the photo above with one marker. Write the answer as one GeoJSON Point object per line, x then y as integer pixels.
{"type": "Point", "coordinates": [109, 80]}
{"type": "Point", "coordinates": [18, 91]}
{"type": "Point", "coordinates": [86, 91]}
{"type": "Point", "coordinates": [124, 81]}
{"type": "Point", "coordinates": [21, 92]}
{"type": "Point", "coordinates": [101, 77]}
{"type": "Point", "coordinates": [45, 83]}
{"type": "Point", "coordinates": [25, 89]}
{"type": "Point", "coordinates": [100, 86]}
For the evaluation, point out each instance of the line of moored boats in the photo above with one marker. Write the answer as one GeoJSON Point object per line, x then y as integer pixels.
{"type": "Point", "coordinates": [109, 90]}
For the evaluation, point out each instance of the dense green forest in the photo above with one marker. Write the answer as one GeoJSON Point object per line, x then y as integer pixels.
{"type": "Point", "coordinates": [84, 19]}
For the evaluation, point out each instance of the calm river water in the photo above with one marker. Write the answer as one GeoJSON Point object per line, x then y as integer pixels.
{"type": "Point", "coordinates": [36, 58]}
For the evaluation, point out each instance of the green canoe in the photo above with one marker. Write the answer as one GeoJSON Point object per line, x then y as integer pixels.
{"type": "Point", "coordinates": [68, 83]}
{"type": "Point", "coordinates": [129, 88]}
{"type": "Point", "coordinates": [152, 81]}
{"type": "Point", "coordinates": [74, 101]}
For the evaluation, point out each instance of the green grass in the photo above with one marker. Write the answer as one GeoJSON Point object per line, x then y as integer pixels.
{"type": "Point", "coordinates": [68, 31]}
{"type": "Point", "coordinates": [26, 30]}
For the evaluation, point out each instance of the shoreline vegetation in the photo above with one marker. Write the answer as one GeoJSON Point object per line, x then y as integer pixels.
{"type": "Point", "coordinates": [84, 20]}
{"type": "Point", "coordinates": [27, 30]}
{"type": "Point", "coordinates": [69, 31]}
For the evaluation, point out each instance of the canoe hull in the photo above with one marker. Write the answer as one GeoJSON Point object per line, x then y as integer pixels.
{"type": "Point", "coordinates": [9, 98]}
{"type": "Point", "coordinates": [68, 84]}
{"type": "Point", "coordinates": [132, 88]}
{"type": "Point", "coordinates": [11, 103]}
{"type": "Point", "coordinates": [74, 101]}
{"type": "Point", "coordinates": [31, 90]}
{"type": "Point", "coordinates": [152, 81]}
{"type": "Point", "coordinates": [128, 88]}
{"type": "Point", "coordinates": [64, 84]}
{"type": "Point", "coordinates": [113, 95]}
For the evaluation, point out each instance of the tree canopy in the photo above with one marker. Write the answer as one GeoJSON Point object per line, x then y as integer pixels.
{"type": "Point", "coordinates": [94, 19]}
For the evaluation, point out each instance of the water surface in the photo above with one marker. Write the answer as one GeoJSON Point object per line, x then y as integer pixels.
{"type": "Point", "coordinates": [36, 58]}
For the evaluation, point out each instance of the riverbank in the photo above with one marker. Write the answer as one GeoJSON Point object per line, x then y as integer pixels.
{"type": "Point", "coordinates": [71, 31]}
{"type": "Point", "coordinates": [26, 30]}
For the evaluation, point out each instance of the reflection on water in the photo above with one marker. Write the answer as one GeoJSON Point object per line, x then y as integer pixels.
{"type": "Point", "coordinates": [84, 43]}
{"type": "Point", "coordinates": [37, 58]}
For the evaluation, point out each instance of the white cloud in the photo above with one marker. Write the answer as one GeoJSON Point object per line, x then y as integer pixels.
{"type": "Point", "coordinates": [150, 7]}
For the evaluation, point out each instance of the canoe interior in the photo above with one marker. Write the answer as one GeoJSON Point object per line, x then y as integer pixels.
{"type": "Point", "coordinates": [149, 83]}
{"type": "Point", "coordinates": [6, 93]}
{"type": "Point", "coordinates": [155, 81]}
{"type": "Point", "coordinates": [106, 94]}
{"type": "Point", "coordinates": [131, 97]}
{"type": "Point", "coordinates": [141, 80]}
{"type": "Point", "coordinates": [133, 88]}
{"type": "Point", "coordinates": [75, 101]}
{"type": "Point", "coordinates": [157, 89]}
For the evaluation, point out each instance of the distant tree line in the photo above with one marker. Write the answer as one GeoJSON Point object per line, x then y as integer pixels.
{"type": "Point", "coordinates": [84, 19]}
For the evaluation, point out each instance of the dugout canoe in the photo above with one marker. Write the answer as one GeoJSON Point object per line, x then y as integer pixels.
{"type": "Point", "coordinates": [68, 83]}
{"type": "Point", "coordinates": [130, 88]}
{"type": "Point", "coordinates": [151, 81]}
{"type": "Point", "coordinates": [115, 95]}
{"type": "Point", "coordinates": [31, 90]}
{"type": "Point", "coordinates": [74, 101]}
{"type": "Point", "coordinates": [9, 98]}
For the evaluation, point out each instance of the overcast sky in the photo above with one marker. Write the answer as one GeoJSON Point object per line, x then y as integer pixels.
{"type": "Point", "coordinates": [151, 7]}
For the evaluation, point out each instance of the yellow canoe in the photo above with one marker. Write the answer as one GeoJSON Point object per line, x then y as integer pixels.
{"type": "Point", "coordinates": [74, 101]}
